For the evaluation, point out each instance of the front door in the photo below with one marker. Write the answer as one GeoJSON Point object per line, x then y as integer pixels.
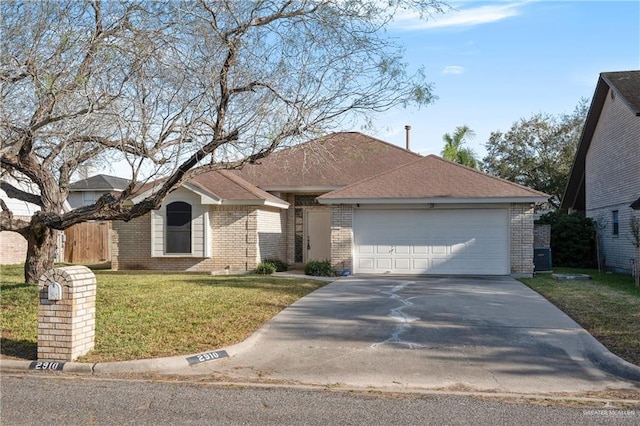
{"type": "Point", "coordinates": [317, 241]}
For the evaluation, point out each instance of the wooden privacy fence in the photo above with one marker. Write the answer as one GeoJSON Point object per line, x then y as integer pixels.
{"type": "Point", "coordinates": [88, 242]}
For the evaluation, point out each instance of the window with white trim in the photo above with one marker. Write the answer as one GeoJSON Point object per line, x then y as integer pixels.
{"type": "Point", "coordinates": [178, 228]}
{"type": "Point", "coordinates": [88, 198]}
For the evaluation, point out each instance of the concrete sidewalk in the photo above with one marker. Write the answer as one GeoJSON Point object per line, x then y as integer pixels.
{"type": "Point", "coordinates": [490, 334]}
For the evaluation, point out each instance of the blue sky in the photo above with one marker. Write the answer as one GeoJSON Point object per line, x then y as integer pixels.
{"type": "Point", "coordinates": [495, 62]}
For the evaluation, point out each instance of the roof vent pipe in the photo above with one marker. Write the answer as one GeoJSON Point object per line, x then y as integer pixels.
{"type": "Point", "coordinates": [408, 129]}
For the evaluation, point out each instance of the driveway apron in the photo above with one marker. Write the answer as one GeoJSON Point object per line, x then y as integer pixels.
{"type": "Point", "coordinates": [480, 333]}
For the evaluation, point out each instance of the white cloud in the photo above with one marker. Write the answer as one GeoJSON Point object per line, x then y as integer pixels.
{"type": "Point", "coordinates": [453, 69]}
{"type": "Point", "coordinates": [461, 17]}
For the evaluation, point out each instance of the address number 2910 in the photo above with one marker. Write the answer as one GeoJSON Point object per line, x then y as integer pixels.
{"type": "Point", "coordinates": [46, 365]}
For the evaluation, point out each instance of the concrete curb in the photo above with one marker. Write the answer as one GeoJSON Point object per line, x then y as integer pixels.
{"type": "Point", "coordinates": [10, 364]}
{"type": "Point", "coordinates": [598, 354]}
{"type": "Point", "coordinates": [78, 368]}
{"type": "Point", "coordinates": [310, 277]}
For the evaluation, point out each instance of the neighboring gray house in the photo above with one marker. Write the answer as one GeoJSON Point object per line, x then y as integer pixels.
{"type": "Point", "coordinates": [13, 247]}
{"type": "Point", "coordinates": [90, 242]}
{"type": "Point", "coordinates": [604, 183]}
{"type": "Point", "coordinates": [85, 192]}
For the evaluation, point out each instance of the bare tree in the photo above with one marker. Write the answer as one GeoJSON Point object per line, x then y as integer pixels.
{"type": "Point", "coordinates": [178, 88]}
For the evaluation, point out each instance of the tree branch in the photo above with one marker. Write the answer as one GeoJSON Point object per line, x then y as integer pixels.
{"type": "Point", "coordinates": [10, 223]}
{"type": "Point", "coordinates": [18, 194]}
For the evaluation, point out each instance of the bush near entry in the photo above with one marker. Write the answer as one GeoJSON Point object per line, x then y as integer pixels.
{"type": "Point", "coordinates": [319, 268]}
{"type": "Point", "coordinates": [573, 239]}
{"type": "Point", "coordinates": [265, 268]}
{"type": "Point", "coordinates": [269, 266]}
{"type": "Point", "coordinates": [280, 265]}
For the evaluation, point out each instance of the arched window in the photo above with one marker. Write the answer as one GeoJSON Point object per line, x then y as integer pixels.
{"type": "Point", "coordinates": [178, 228]}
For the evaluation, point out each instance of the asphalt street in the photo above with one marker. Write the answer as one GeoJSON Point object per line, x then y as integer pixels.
{"type": "Point", "coordinates": [69, 401]}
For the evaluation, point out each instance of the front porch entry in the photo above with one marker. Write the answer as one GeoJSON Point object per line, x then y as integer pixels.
{"type": "Point", "coordinates": [317, 238]}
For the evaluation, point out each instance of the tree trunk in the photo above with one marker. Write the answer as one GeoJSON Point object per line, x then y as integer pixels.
{"type": "Point", "coordinates": [41, 253]}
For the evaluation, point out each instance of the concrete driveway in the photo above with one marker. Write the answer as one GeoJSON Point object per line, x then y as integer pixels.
{"type": "Point", "coordinates": [484, 334]}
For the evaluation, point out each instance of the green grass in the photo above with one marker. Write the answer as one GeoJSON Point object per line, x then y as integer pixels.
{"type": "Point", "coordinates": [145, 315]}
{"type": "Point", "coordinates": [607, 306]}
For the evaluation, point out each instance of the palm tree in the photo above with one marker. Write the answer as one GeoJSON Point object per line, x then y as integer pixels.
{"type": "Point", "coordinates": [454, 151]}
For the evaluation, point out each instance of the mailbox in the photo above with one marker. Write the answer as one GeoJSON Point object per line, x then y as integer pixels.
{"type": "Point", "coordinates": [54, 291]}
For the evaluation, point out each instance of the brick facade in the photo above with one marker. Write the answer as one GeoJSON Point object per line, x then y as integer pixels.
{"type": "Point", "coordinates": [236, 243]}
{"type": "Point", "coordinates": [541, 236]}
{"type": "Point", "coordinates": [131, 249]}
{"type": "Point", "coordinates": [243, 235]}
{"type": "Point", "coordinates": [342, 237]}
{"type": "Point", "coordinates": [13, 246]}
{"type": "Point", "coordinates": [235, 238]}
{"type": "Point", "coordinates": [612, 179]}
{"type": "Point", "coordinates": [521, 239]}
{"type": "Point", "coordinates": [271, 236]}
{"type": "Point", "coordinates": [289, 229]}
{"type": "Point", "coordinates": [66, 327]}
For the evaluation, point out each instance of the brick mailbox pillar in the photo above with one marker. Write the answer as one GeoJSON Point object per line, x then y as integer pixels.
{"type": "Point", "coordinates": [66, 313]}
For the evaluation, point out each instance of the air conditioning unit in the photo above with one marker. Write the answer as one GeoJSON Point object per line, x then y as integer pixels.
{"type": "Point", "coordinates": [542, 259]}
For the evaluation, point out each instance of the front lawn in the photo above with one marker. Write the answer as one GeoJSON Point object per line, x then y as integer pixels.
{"type": "Point", "coordinates": [147, 315]}
{"type": "Point", "coordinates": [607, 306]}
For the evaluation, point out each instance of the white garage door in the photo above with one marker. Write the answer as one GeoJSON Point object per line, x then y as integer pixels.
{"type": "Point", "coordinates": [473, 241]}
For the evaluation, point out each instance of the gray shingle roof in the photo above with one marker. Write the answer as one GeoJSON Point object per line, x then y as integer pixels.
{"type": "Point", "coordinates": [330, 162]}
{"type": "Point", "coordinates": [227, 186]}
{"type": "Point", "coordinates": [433, 177]}
{"type": "Point", "coordinates": [627, 84]}
{"type": "Point", "coordinates": [100, 183]}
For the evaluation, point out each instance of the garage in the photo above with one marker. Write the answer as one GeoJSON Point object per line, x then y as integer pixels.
{"type": "Point", "coordinates": [432, 241]}
{"type": "Point", "coordinates": [432, 216]}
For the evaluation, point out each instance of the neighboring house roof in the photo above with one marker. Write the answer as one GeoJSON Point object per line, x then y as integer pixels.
{"type": "Point", "coordinates": [100, 183]}
{"type": "Point", "coordinates": [432, 179]}
{"type": "Point", "coordinates": [626, 85]}
{"type": "Point", "coordinates": [636, 204]}
{"type": "Point", "coordinates": [326, 163]}
{"type": "Point", "coordinates": [221, 187]}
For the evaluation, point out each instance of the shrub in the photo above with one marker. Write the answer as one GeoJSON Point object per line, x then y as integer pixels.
{"type": "Point", "coordinates": [280, 265]}
{"type": "Point", "coordinates": [265, 268]}
{"type": "Point", "coordinates": [573, 239]}
{"type": "Point", "coordinates": [319, 268]}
